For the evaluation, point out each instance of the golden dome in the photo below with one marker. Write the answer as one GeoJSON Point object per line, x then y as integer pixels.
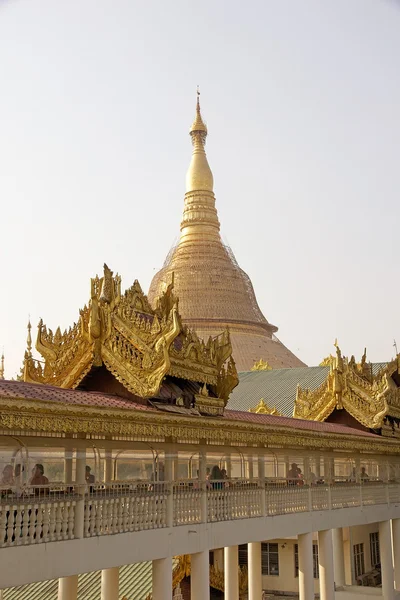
{"type": "Point", "coordinates": [213, 290]}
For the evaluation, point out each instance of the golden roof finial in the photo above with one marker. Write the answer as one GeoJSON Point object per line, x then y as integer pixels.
{"type": "Point", "coordinates": [29, 339]}
{"type": "Point", "coordinates": [2, 366]}
{"type": "Point", "coordinates": [198, 128]}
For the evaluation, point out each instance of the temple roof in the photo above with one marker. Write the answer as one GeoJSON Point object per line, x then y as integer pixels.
{"type": "Point", "coordinates": [121, 343]}
{"type": "Point", "coordinates": [45, 393]}
{"type": "Point", "coordinates": [134, 582]}
{"type": "Point", "coordinates": [277, 387]}
{"type": "Point", "coordinates": [369, 392]}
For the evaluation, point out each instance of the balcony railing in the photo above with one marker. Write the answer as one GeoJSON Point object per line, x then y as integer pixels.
{"type": "Point", "coordinates": [38, 514]}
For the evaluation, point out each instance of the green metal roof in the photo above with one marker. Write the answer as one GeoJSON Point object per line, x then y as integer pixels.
{"type": "Point", "coordinates": [278, 387]}
{"type": "Point", "coordinates": [134, 583]}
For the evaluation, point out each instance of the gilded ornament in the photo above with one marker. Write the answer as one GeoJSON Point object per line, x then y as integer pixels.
{"type": "Point", "coordinates": [262, 408]}
{"type": "Point", "coordinates": [139, 345]}
{"type": "Point", "coordinates": [353, 387]}
{"type": "Point", "coordinates": [261, 365]}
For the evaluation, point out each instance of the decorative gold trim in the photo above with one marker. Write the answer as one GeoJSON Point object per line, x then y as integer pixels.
{"type": "Point", "coordinates": [48, 417]}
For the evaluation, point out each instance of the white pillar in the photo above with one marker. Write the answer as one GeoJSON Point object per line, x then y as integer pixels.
{"type": "Point", "coordinates": [67, 588]}
{"type": "Point", "coordinates": [250, 466]}
{"type": "Point", "coordinates": [231, 573]}
{"type": "Point", "coordinates": [261, 483]}
{"type": "Point", "coordinates": [108, 466]}
{"type": "Point", "coordinates": [306, 573]}
{"type": "Point", "coordinates": [67, 466]}
{"type": "Point", "coordinates": [396, 551]}
{"type": "Point", "coordinates": [338, 557]}
{"type": "Point", "coordinates": [162, 579]}
{"type": "Point", "coordinates": [110, 584]}
{"type": "Point", "coordinates": [169, 478]}
{"type": "Point", "coordinates": [203, 475]}
{"type": "Point", "coordinates": [80, 477]}
{"type": "Point", "coordinates": [385, 547]}
{"type": "Point", "coordinates": [325, 560]}
{"type": "Point", "coordinates": [200, 576]}
{"type": "Point", "coordinates": [254, 570]}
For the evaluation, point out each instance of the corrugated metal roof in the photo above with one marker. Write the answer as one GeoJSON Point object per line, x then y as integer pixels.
{"type": "Point", "coordinates": [278, 387]}
{"type": "Point", "coordinates": [134, 583]}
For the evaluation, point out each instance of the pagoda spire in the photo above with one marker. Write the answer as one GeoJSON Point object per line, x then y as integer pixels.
{"type": "Point", "coordinates": [200, 217]}
{"type": "Point", "coordinates": [199, 175]}
{"type": "Point", "coordinates": [2, 366]}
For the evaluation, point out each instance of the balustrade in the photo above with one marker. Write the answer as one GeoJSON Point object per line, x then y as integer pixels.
{"type": "Point", "coordinates": [34, 515]}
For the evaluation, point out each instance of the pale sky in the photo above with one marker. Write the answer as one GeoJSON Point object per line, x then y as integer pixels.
{"type": "Point", "coordinates": [302, 104]}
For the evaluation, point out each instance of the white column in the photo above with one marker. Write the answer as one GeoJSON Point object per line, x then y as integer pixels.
{"type": "Point", "coordinates": [396, 551]}
{"type": "Point", "coordinates": [108, 470]}
{"type": "Point", "coordinates": [254, 570]}
{"type": "Point", "coordinates": [385, 547]}
{"type": "Point", "coordinates": [80, 478]}
{"type": "Point", "coordinates": [250, 466]}
{"type": "Point", "coordinates": [229, 466]}
{"type": "Point", "coordinates": [261, 482]}
{"type": "Point", "coordinates": [203, 475]}
{"type": "Point", "coordinates": [162, 579]}
{"type": "Point", "coordinates": [110, 584]}
{"type": "Point", "coordinates": [169, 478]}
{"type": "Point", "coordinates": [67, 588]}
{"type": "Point", "coordinates": [231, 573]}
{"type": "Point", "coordinates": [200, 576]}
{"type": "Point", "coordinates": [306, 574]}
{"type": "Point", "coordinates": [68, 466]}
{"type": "Point", "coordinates": [325, 560]}
{"type": "Point", "coordinates": [338, 557]}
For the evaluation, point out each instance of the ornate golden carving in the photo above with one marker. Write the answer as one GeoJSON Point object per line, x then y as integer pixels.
{"type": "Point", "coordinates": [137, 344]}
{"type": "Point", "coordinates": [261, 365]}
{"type": "Point", "coordinates": [183, 569]}
{"type": "Point", "coordinates": [262, 408]}
{"type": "Point", "coordinates": [207, 405]}
{"type": "Point", "coordinates": [49, 417]}
{"type": "Point", "coordinates": [353, 387]}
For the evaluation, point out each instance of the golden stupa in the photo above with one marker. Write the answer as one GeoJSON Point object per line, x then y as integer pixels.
{"type": "Point", "coordinates": [213, 290]}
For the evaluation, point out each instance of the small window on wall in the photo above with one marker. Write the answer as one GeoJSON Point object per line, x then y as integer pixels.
{"type": "Point", "coordinates": [269, 559]}
{"type": "Point", "coordinates": [374, 547]}
{"type": "Point", "coordinates": [315, 561]}
{"type": "Point", "coordinates": [359, 566]}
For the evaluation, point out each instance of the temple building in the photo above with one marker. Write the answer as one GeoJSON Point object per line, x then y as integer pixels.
{"type": "Point", "coordinates": [214, 292]}
{"type": "Point", "coordinates": [137, 464]}
{"type": "Point", "coordinates": [361, 394]}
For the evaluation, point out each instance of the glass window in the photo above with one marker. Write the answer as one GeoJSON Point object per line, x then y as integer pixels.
{"type": "Point", "coordinates": [270, 559]}
{"type": "Point", "coordinates": [358, 553]}
{"type": "Point", "coordinates": [374, 547]}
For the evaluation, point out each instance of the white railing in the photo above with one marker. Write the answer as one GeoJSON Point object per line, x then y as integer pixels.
{"type": "Point", "coordinates": [47, 513]}
{"type": "Point", "coordinates": [123, 507]}
{"type": "Point", "coordinates": [36, 515]}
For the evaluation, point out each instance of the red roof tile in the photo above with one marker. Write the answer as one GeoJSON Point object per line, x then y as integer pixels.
{"type": "Point", "coordinates": [236, 415]}
{"type": "Point", "coordinates": [48, 393]}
